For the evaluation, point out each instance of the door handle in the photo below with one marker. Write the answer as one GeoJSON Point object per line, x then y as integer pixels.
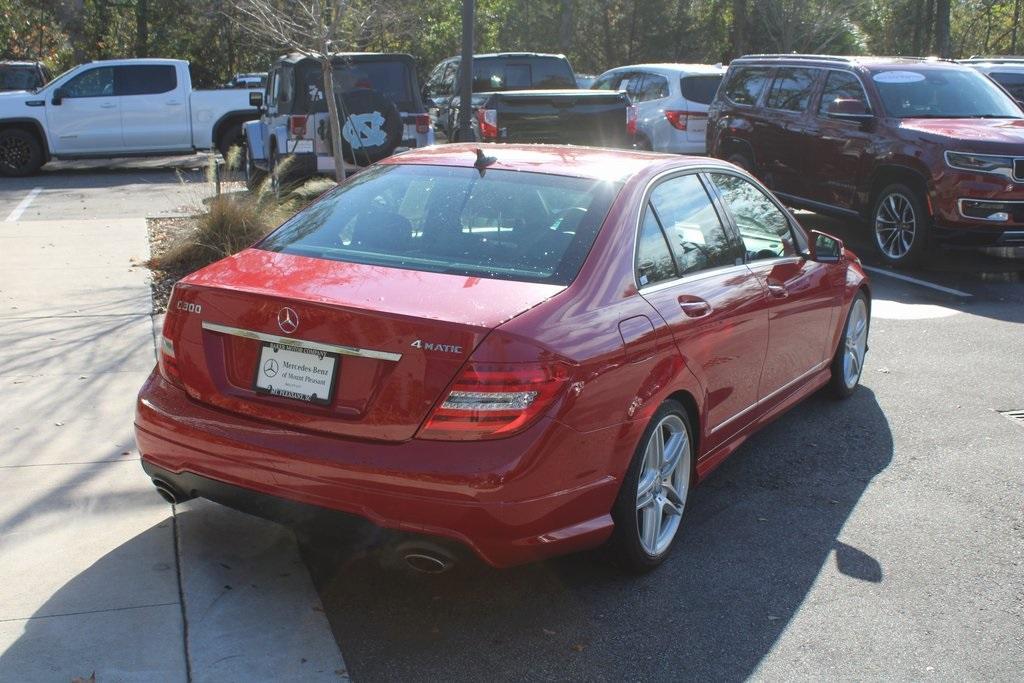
{"type": "Point", "coordinates": [174, 103]}
{"type": "Point", "coordinates": [108, 105]}
{"type": "Point", "coordinates": [778, 291]}
{"type": "Point", "coordinates": [694, 307]}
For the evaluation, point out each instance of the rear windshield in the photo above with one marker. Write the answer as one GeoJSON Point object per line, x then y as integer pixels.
{"type": "Point", "coordinates": [19, 78]}
{"type": "Point", "coordinates": [909, 93]}
{"type": "Point", "coordinates": [493, 74]}
{"type": "Point", "coordinates": [700, 89]}
{"type": "Point", "coordinates": [506, 225]}
{"type": "Point", "coordinates": [389, 77]}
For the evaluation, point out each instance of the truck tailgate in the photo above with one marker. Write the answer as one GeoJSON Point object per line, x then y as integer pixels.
{"type": "Point", "coordinates": [579, 117]}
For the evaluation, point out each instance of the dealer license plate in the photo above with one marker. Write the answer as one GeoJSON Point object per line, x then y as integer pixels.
{"type": "Point", "coordinates": [292, 372]}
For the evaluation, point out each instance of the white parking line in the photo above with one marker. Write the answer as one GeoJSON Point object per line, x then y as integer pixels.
{"type": "Point", "coordinates": [923, 283]}
{"type": "Point", "coordinates": [20, 208]}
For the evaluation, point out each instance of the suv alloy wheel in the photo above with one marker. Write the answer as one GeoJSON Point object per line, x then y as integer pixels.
{"type": "Point", "coordinates": [899, 222]}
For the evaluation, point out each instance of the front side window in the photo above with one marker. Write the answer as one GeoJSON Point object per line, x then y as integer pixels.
{"type": "Point", "coordinates": [149, 79]}
{"type": "Point", "coordinates": [791, 89]}
{"type": "Point", "coordinates": [694, 231]}
{"type": "Point", "coordinates": [763, 226]}
{"type": "Point", "coordinates": [654, 262]}
{"type": "Point", "coordinates": [945, 93]}
{"type": "Point", "coordinates": [745, 85]}
{"type": "Point", "coordinates": [840, 85]}
{"type": "Point", "coordinates": [607, 82]}
{"type": "Point", "coordinates": [97, 82]}
{"type": "Point", "coordinates": [506, 225]}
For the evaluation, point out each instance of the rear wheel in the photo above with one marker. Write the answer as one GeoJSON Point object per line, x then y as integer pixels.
{"type": "Point", "coordinates": [642, 143]}
{"type": "Point", "coordinates": [741, 160]}
{"type": "Point", "coordinates": [230, 138]}
{"type": "Point", "coordinates": [848, 363]}
{"type": "Point", "coordinates": [21, 153]}
{"type": "Point", "coordinates": [650, 505]}
{"type": "Point", "coordinates": [900, 225]}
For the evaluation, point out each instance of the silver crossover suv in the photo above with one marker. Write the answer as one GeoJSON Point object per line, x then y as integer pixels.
{"type": "Point", "coordinates": [671, 100]}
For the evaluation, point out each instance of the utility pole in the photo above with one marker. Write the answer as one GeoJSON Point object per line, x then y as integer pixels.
{"type": "Point", "coordinates": [465, 133]}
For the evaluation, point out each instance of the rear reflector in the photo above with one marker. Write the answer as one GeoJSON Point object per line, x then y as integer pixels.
{"type": "Point", "coordinates": [297, 126]}
{"type": "Point", "coordinates": [422, 123]}
{"type": "Point", "coordinates": [488, 120]}
{"type": "Point", "coordinates": [489, 401]}
{"type": "Point", "coordinates": [632, 115]}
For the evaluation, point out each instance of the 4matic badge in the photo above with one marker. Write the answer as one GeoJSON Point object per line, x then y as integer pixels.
{"type": "Point", "coordinates": [430, 346]}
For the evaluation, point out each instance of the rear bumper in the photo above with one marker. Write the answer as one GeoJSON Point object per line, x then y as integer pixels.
{"type": "Point", "coordinates": [535, 495]}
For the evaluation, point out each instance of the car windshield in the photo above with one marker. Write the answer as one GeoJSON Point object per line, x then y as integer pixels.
{"type": "Point", "coordinates": [504, 225]}
{"type": "Point", "coordinates": [909, 93]}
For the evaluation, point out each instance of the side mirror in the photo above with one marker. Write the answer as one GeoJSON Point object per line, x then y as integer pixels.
{"type": "Point", "coordinates": [825, 248]}
{"type": "Point", "coordinates": [848, 110]}
{"type": "Point", "coordinates": [256, 99]}
{"type": "Point", "coordinates": [58, 96]}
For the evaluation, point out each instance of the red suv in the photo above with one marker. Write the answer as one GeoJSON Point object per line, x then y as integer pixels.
{"type": "Point", "coordinates": [922, 149]}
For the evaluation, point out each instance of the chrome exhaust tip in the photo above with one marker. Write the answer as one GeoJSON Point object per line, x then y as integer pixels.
{"type": "Point", "coordinates": [168, 492]}
{"type": "Point", "coordinates": [427, 558]}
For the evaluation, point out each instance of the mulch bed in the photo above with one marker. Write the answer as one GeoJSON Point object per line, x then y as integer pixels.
{"type": "Point", "coordinates": [163, 233]}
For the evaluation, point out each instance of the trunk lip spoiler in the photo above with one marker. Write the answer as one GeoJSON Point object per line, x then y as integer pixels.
{"type": "Point", "coordinates": [302, 343]}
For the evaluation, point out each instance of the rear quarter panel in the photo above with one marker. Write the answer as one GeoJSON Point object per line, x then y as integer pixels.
{"type": "Point", "coordinates": [207, 107]}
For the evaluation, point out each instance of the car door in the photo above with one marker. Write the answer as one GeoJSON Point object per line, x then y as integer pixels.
{"type": "Point", "coordinates": [784, 134]}
{"type": "Point", "coordinates": [651, 90]}
{"type": "Point", "coordinates": [835, 148]}
{"type": "Point", "coordinates": [690, 268]}
{"type": "Point", "coordinates": [803, 295]}
{"type": "Point", "coordinates": [154, 108]}
{"type": "Point", "coordinates": [83, 116]}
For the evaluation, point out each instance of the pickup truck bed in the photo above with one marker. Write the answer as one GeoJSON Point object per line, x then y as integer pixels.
{"type": "Point", "coordinates": [578, 117]}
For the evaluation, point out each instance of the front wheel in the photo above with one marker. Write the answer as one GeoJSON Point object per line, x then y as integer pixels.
{"type": "Point", "coordinates": [900, 224]}
{"type": "Point", "coordinates": [848, 363]}
{"type": "Point", "coordinates": [650, 505]}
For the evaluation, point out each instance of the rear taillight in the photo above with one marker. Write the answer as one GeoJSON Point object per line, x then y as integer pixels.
{"type": "Point", "coordinates": [680, 119]}
{"type": "Point", "coordinates": [632, 115]}
{"type": "Point", "coordinates": [168, 363]}
{"type": "Point", "coordinates": [423, 123]}
{"type": "Point", "coordinates": [491, 401]}
{"type": "Point", "coordinates": [297, 126]}
{"type": "Point", "coordinates": [488, 120]}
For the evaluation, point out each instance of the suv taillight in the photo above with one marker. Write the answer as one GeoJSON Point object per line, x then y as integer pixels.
{"type": "Point", "coordinates": [297, 126]}
{"type": "Point", "coordinates": [632, 115]}
{"type": "Point", "coordinates": [488, 120]}
{"type": "Point", "coordinates": [680, 119]}
{"type": "Point", "coordinates": [491, 401]}
{"type": "Point", "coordinates": [422, 123]}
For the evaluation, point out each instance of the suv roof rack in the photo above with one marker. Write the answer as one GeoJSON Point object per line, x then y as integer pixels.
{"type": "Point", "coordinates": [795, 55]}
{"type": "Point", "coordinates": [994, 60]}
{"type": "Point", "coordinates": [843, 59]}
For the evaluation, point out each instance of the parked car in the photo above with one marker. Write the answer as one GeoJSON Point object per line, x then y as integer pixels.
{"type": "Point", "coordinates": [672, 102]}
{"type": "Point", "coordinates": [23, 75]}
{"type": "Point", "coordinates": [255, 81]}
{"type": "Point", "coordinates": [924, 150]}
{"type": "Point", "coordinates": [1006, 71]}
{"type": "Point", "coordinates": [568, 117]}
{"type": "Point", "coordinates": [493, 73]}
{"type": "Point", "coordinates": [117, 107]}
{"type": "Point", "coordinates": [527, 350]}
{"type": "Point", "coordinates": [378, 93]}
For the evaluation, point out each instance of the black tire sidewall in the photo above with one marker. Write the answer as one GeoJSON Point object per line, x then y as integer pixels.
{"type": "Point", "coordinates": [231, 137]}
{"type": "Point", "coordinates": [625, 542]}
{"type": "Point", "coordinates": [366, 101]}
{"type": "Point", "coordinates": [35, 154]}
{"type": "Point", "coordinates": [741, 160]}
{"type": "Point", "coordinates": [922, 229]}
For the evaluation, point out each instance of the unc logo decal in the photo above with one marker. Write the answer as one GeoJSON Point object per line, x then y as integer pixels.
{"type": "Point", "coordinates": [364, 130]}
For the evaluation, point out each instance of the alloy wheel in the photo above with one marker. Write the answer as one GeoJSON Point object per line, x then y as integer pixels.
{"type": "Point", "coordinates": [14, 152]}
{"type": "Point", "coordinates": [663, 485]}
{"type": "Point", "coordinates": [855, 343]}
{"type": "Point", "coordinates": [895, 225]}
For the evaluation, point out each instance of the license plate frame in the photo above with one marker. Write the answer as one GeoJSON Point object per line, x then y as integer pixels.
{"type": "Point", "coordinates": [308, 361]}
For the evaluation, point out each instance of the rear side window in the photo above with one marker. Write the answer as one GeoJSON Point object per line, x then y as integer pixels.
{"type": "Point", "coordinates": [1013, 82]}
{"type": "Point", "coordinates": [764, 229]}
{"type": "Point", "coordinates": [695, 233]}
{"type": "Point", "coordinates": [791, 89]}
{"type": "Point", "coordinates": [506, 225]}
{"type": "Point", "coordinates": [607, 82]}
{"type": "Point", "coordinates": [653, 87]}
{"type": "Point", "coordinates": [745, 85]}
{"type": "Point", "coordinates": [654, 261]}
{"type": "Point", "coordinates": [145, 79]}
{"type": "Point", "coordinates": [841, 86]}
{"type": "Point", "coordinates": [700, 89]}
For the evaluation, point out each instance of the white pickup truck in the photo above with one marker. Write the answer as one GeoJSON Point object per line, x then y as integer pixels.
{"type": "Point", "coordinates": [122, 107]}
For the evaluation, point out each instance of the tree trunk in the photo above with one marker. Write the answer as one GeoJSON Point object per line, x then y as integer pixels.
{"type": "Point", "coordinates": [1016, 19]}
{"type": "Point", "coordinates": [942, 45]}
{"type": "Point", "coordinates": [142, 28]}
{"type": "Point", "coordinates": [739, 28]}
{"type": "Point", "coordinates": [565, 27]}
{"type": "Point", "coordinates": [334, 129]}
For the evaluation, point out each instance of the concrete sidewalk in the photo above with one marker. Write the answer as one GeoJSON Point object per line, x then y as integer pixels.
{"type": "Point", "coordinates": [98, 573]}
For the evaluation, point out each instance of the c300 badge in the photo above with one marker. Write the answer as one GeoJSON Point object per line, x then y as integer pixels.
{"type": "Point", "coordinates": [431, 346]}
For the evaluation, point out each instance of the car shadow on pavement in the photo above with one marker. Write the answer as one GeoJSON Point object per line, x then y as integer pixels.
{"type": "Point", "coordinates": [757, 534]}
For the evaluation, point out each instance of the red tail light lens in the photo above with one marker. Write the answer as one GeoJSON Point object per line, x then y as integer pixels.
{"type": "Point", "coordinates": [422, 123]}
{"type": "Point", "coordinates": [168, 363]}
{"type": "Point", "coordinates": [632, 115]}
{"type": "Point", "coordinates": [489, 401]}
{"type": "Point", "coordinates": [488, 120]}
{"type": "Point", "coordinates": [680, 119]}
{"type": "Point", "coordinates": [297, 126]}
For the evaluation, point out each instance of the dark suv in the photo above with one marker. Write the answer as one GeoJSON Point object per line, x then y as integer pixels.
{"type": "Point", "coordinates": [922, 149]}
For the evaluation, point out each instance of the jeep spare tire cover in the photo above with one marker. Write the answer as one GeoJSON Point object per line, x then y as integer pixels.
{"type": "Point", "coordinates": [371, 126]}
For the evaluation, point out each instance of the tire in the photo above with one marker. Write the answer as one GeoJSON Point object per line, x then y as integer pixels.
{"type": "Point", "coordinates": [372, 120]}
{"type": "Point", "coordinates": [21, 153]}
{"type": "Point", "coordinates": [848, 363]}
{"type": "Point", "coordinates": [230, 137]}
{"type": "Point", "coordinates": [642, 143]}
{"type": "Point", "coordinates": [900, 225]}
{"type": "Point", "coordinates": [644, 534]}
{"type": "Point", "coordinates": [254, 176]}
{"type": "Point", "coordinates": [741, 160]}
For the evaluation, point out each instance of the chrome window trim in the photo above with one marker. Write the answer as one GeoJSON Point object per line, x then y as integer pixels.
{"type": "Point", "coordinates": [301, 343]}
{"type": "Point", "coordinates": [770, 396]}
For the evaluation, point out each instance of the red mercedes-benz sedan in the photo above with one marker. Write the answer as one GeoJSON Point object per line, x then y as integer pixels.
{"type": "Point", "coordinates": [527, 350]}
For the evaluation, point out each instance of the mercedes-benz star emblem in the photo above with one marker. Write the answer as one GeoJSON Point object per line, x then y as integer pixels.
{"type": "Point", "coordinates": [288, 320]}
{"type": "Point", "coordinates": [270, 368]}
